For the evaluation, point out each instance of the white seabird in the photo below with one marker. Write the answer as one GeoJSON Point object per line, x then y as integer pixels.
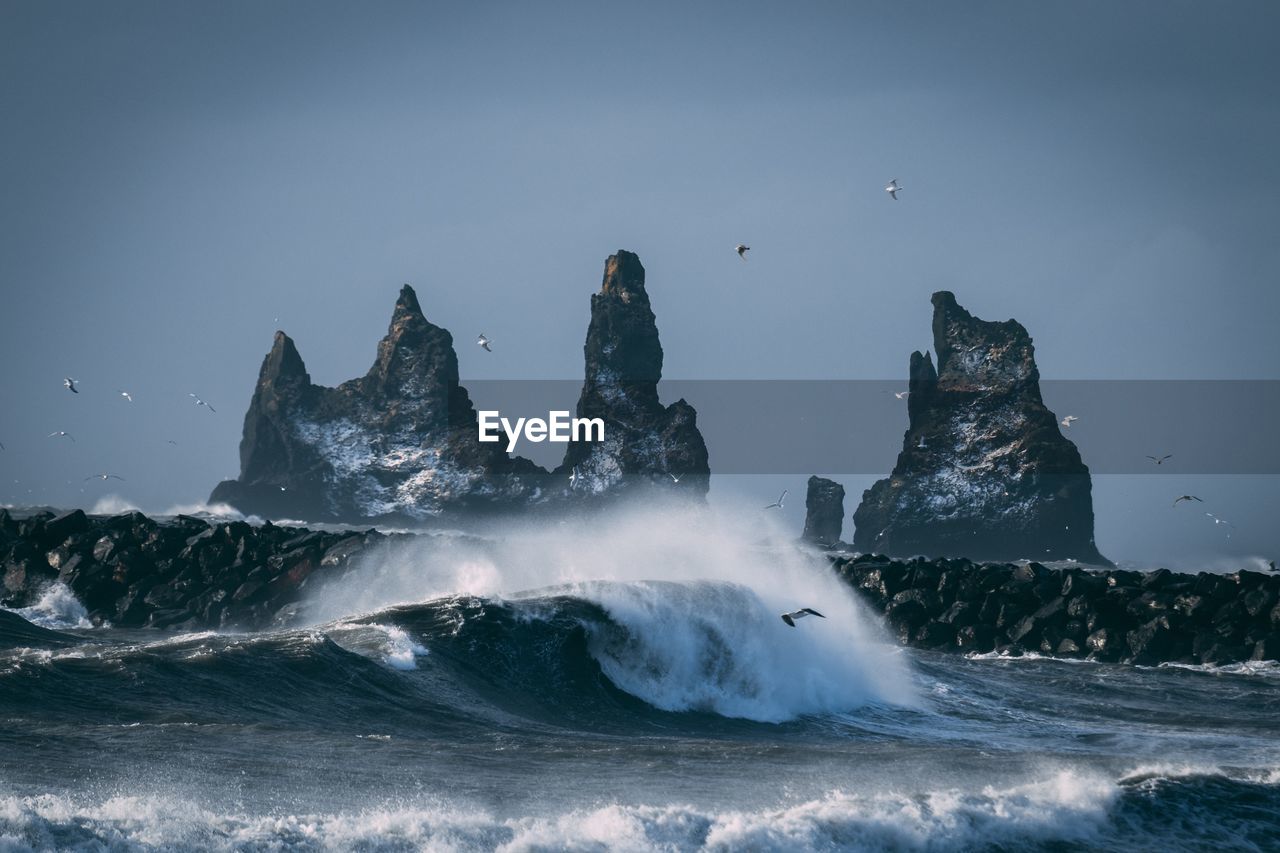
{"type": "Point", "coordinates": [901, 395]}
{"type": "Point", "coordinates": [892, 189]}
{"type": "Point", "coordinates": [1159, 460]}
{"type": "Point", "coordinates": [778, 503]}
{"type": "Point", "coordinates": [1068, 421]}
{"type": "Point", "coordinates": [484, 342]}
{"type": "Point", "coordinates": [790, 618]}
{"type": "Point", "coordinates": [673, 477]}
{"type": "Point", "coordinates": [104, 476]}
{"type": "Point", "coordinates": [742, 250]}
{"type": "Point", "coordinates": [127, 396]}
{"type": "Point", "coordinates": [61, 434]}
{"type": "Point", "coordinates": [200, 402]}
{"type": "Point", "coordinates": [1182, 498]}
{"type": "Point", "coordinates": [70, 385]}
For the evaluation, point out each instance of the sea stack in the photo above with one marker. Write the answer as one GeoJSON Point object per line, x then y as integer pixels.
{"type": "Point", "coordinates": [984, 471]}
{"type": "Point", "coordinates": [398, 443]}
{"type": "Point", "coordinates": [823, 512]}
{"type": "Point", "coordinates": [646, 444]}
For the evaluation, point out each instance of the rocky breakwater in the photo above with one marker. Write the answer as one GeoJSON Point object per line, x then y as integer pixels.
{"type": "Point", "coordinates": [183, 573]}
{"type": "Point", "coordinates": [984, 471]}
{"type": "Point", "coordinates": [646, 444]}
{"type": "Point", "coordinates": [1120, 616]}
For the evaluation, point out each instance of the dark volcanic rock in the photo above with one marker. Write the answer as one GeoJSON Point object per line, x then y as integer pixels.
{"type": "Point", "coordinates": [1070, 612]}
{"type": "Point", "coordinates": [984, 470]}
{"type": "Point", "coordinates": [135, 572]}
{"type": "Point", "coordinates": [645, 443]}
{"type": "Point", "coordinates": [823, 511]}
{"type": "Point", "coordinates": [400, 442]}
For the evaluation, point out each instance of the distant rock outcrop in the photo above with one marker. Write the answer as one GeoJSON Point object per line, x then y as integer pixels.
{"type": "Point", "coordinates": [984, 470]}
{"type": "Point", "coordinates": [398, 443]}
{"type": "Point", "coordinates": [646, 443]}
{"type": "Point", "coordinates": [823, 511]}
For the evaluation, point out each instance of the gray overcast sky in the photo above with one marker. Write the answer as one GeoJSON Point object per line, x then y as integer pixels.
{"type": "Point", "coordinates": [177, 175]}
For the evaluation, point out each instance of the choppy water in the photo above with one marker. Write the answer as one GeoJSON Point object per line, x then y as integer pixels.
{"type": "Point", "coordinates": [641, 693]}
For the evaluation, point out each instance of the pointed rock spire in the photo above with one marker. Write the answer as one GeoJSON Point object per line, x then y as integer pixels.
{"type": "Point", "coordinates": [984, 471]}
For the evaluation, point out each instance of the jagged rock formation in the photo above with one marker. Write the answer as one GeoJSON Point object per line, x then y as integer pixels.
{"type": "Point", "coordinates": [823, 511]}
{"type": "Point", "coordinates": [984, 471]}
{"type": "Point", "coordinates": [398, 443]}
{"type": "Point", "coordinates": [646, 443]}
{"type": "Point", "coordinates": [401, 442]}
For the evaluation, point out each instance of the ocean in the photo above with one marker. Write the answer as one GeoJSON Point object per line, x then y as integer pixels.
{"type": "Point", "coordinates": [610, 684]}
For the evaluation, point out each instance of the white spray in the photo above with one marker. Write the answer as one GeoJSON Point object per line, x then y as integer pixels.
{"type": "Point", "coordinates": [698, 596]}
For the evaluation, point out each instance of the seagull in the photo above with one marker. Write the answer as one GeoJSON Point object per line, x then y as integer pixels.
{"type": "Point", "coordinates": [742, 250]}
{"type": "Point", "coordinates": [200, 402]}
{"type": "Point", "coordinates": [1159, 460]}
{"type": "Point", "coordinates": [892, 189]}
{"type": "Point", "coordinates": [1217, 520]}
{"type": "Point", "coordinates": [70, 385]}
{"type": "Point", "coordinates": [790, 618]}
{"type": "Point", "coordinates": [901, 395]}
{"type": "Point", "coordinates": [1182, 498]}
{"type": "Point", "coordinates": [127, 396]}
{"type": "Point", "coordinates": [484, 342]}
{"type": "Point", "coordinates": [1068, 421]}
{"type": "Point", "coordinates": [174, 443]}
{"type": "Point", "coordinates": [104, 476]}
{"type": "Point", "coordinates": [778, 503]}
{"type": "Point", "coordinates": [62, 434]}
{"type": "Point", "coordinates": [673, 477]}
{"type": "Point", "coordinates": [921, 445]}
{"type": "Point", "coordinates": [574, 477]}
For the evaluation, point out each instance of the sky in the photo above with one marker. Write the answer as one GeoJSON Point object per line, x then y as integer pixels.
{"type": "Point", "coordinates": [180, 179]}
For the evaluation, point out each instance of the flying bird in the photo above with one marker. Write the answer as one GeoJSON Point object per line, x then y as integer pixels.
{"type": "Point", "coordinates": [1271, 566]}
{"type": "Point", "coordinates": [778, 503]}
{"type": "Point", "coordinates": [1068, 421]}
{"type": "Point", "coordinates": [892, 189]}
{"type": "Point", "coordinates": [104, 476]}
{"type": "Point", "coordinates": [921, 445]}
{"type": "Point", "coordinates": [61, 434]}
{"type": "Point", "coordinates": [1217, 520]}
{"type": "Point", "coordinates": [1159, 460]}
{"type": "Point", "coordinates": [901, 395]}
{"type": "Point", "coordinates": [790, 618]}
{"type": "Point", "coordinates": [1182, 498]}
{"type": "Point", "coordinates": [127, 396]}
{"type": "Point", "coordinates": [200, 402]}
{"type": "Point", "coordinates": [673, 477]}
{"type": "Point", "coordinates": [484, 342]}
{"type": "Point", "coordinates": [742, 250]}
{"type": "Point", "coordinates": [574, 477]}
{"type": "Point", "coordinates": [70, 385]}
